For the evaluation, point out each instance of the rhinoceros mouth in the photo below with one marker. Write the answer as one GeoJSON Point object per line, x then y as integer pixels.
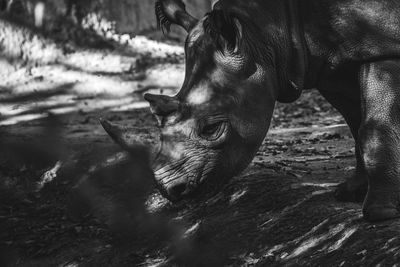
{"type": "Point", "coordinates": [187, 178]}
{"type": "Point", "coordinates": [175, 182]}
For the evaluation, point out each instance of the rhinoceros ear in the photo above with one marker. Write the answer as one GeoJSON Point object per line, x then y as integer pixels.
{"type": "Point", "coordinates": [173, 12]}
{"type": "Point", "coordinates": [225, 29]}
{"type": "Point", "coordinates": [162, 106]}
{"type": "Point", "coordinates": [238, 34]}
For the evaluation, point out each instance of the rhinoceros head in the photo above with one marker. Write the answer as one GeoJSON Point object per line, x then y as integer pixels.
{"type": "Point", "coordinates": [212, 128]}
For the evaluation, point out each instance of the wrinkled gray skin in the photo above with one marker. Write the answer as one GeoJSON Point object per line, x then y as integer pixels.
{"type": "Point", "coordinates": [348, 49]}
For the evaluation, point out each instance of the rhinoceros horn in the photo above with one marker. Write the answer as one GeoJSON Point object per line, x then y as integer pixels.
{"type": "Point", "coordinates": [128, 141]}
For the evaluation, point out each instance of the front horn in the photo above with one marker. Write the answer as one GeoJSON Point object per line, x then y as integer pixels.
{"type": "Point", "coordinates": [129, 141]}
{"type": "Point", "coordinates": [121, 136]}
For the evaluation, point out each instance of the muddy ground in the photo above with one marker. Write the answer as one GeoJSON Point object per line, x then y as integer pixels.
{"type": "Point", "coordinates": [280, 212]}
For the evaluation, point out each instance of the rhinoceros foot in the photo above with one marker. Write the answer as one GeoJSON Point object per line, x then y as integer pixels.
{"type": "Point", "coordinates": [348, 192]}
{"type": "Point", "coordinates": [353, 190]}
{"type": "Point", "coordinates": [380, 205]}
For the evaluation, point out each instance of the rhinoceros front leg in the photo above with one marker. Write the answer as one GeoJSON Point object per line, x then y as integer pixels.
{"type": "Point", "coordinates": [355, 188]}
{"type": "Point", "coordinates": [347, 102]}
{"type": "Point", "coordinates": [380, 138]}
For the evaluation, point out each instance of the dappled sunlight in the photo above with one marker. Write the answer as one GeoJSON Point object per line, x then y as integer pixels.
{"type": "Point", "coordinates": [315, 241]}
{"type": "Point", "coordinates": [155, 203]}
{"type": "Point", "coordinates": [130, 106]}
{"type": "Point", "coordinates": [112, 77]}
{"type": "Point", "coordinates": [49, 176]}
{"type": "Point", "coordinates": [13, 114]}
{"type": "Point", "coordinates": [324, 241]}
{"type": "Point", "coordinates": [87, 81]}
{"type": "Point", "coordinates": [236, 196]}
{"type": "Point", "coordinates": [31, 117]}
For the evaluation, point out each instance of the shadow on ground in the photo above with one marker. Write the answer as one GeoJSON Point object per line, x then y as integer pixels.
{"type": "Point", "coordinates": [281, 211]}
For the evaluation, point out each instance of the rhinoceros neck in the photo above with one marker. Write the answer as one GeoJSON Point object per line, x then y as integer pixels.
{"type": "Point", "coordinates": [281, 26]}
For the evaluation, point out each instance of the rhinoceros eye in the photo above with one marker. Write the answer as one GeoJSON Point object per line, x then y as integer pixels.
{"type": "Point", "coordinates": [214, 132]}
{"type": "Point", "coordinates": [211, 129]}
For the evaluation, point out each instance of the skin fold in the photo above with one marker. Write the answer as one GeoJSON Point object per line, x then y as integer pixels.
{"type": "Point", "coordinates": [244, 56]}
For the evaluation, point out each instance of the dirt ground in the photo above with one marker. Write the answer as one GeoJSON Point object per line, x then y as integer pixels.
{"type": "Point", "coordinates": [280, 212]}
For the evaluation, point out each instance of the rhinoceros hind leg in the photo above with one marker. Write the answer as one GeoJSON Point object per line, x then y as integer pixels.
{"type": "Point", "coordinates": [380, 138]}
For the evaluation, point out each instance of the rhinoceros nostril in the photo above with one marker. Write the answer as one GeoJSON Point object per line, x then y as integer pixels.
{"type": "Point", "coordinates": [177, 190]}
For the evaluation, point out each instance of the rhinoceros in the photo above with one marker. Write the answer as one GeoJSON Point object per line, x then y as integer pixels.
{"type": "Point", "coordinates": [245, 55]}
